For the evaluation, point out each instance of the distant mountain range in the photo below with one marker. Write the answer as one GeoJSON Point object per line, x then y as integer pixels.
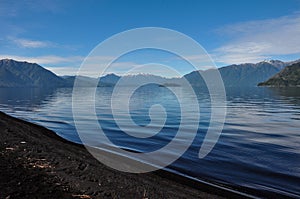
{"type": "Point", "coordinates": [287, 77]}
{"type": "Point", "coordinates": [23, 74]}
{"type": "Point", "coordinates": [139, 79]}
{"type": "Point", "coordinates": [233, 76]}
{"type": "Point", "coordinates": [242, 75]}
{"type": "Point", "coordinates": [84, 81]}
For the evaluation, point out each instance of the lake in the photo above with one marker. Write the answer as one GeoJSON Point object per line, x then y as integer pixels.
{"type": "Point", "coordinates": [259, 147]}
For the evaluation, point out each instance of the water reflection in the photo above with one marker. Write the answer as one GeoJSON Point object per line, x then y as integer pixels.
{"type": "Point", "coordinates": [29, 99]}
{"type": "Point", "coordinates": [259, 146]}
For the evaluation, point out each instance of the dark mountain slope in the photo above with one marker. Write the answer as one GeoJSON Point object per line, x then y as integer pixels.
{"type": "Point", "coordinates": [288, 77]}
{"type": "Point", "coordinates": [23, 74]}
{"type": "Point", "coordinates": [241, 75]}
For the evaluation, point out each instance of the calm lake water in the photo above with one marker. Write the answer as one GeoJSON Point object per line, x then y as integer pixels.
{"type": "Point", "coordinates": [259, 146]}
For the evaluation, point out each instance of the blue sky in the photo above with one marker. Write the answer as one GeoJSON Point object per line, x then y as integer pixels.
{"type": "Point", "coordinates": [60, 34]}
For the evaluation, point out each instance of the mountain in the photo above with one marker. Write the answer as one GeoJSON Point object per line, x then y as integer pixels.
{"type": "Point", "coordinates": [249, 74]}
{"type": "Point", "coordinates": [132, 80]}
{"type": "Point", "coordinates": [127, 80]}
{"type": "Point", "coordinates": [287, 77]}
{"type": "Point", "coordinates": [23, 74]}
{"type": "Point", "coordinates": [109, 80]}
{"type": "Point", "coordinates": [84, 81]}
{"type": "Point", "coordinates": [140, 79]}
{"type": "Point", "coordinates": [241, 75]}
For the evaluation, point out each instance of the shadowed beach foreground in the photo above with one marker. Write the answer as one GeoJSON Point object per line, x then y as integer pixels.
{"type": "Point", "coordinates": [36, 163]}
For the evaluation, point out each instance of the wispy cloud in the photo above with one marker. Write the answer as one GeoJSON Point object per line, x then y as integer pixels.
{"type": "Point", "coordinates": [61, 71]}
{"type": "Point", "coordinates": [57, 64]}
{"type": "Point", "coordinates": [27, 43]}
{"type": "Point", "coordinates": [47, 60]}
{"type": "Point", "coordinates": [17, 8]}
{"type": "Point", "coordinates": [93, 66]}
{"type": "Point", "coordinates": [93, 69]}
{"type": "Point", "coordinates": [257, 40]}
{"type": "Point", "coordinates": [200, 62]}
{"type": "Point", "coordinates": [96, 64]}
{"type": "Point", "coordinates": [70, 65]}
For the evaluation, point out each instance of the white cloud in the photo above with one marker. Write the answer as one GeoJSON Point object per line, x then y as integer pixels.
{"type": "Point", "coordinates": [45, 60]}
{"type": "Point", "coordinates": [57, 64]}
{"type": "Point", "coordinates": [18, 8]}
{"type": "Point", "coordinates": [95, 65]}
{"type": "Point", "coordinates": [257, 40]}
{"type": "Point", "coordinates": [70, 65]}
{"type": "Point", "coordinates": [63, 70]}
{"type": "Point", "coordinates": [27, 43]}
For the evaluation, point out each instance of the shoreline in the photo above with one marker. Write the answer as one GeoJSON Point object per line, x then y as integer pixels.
{"type": "Point", "coordinates": [33, 156]}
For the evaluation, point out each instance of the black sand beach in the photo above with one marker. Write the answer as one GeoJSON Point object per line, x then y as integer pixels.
{"type": "Point", "coordinates": [36, 163]}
